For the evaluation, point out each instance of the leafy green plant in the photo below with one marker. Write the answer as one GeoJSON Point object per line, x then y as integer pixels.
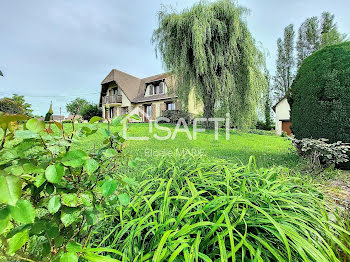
{"type": "Point", "coordinates": [188, 209]}
{"type": "Point", "coordinates": [321, 154]}
{"type": "Point", "coordinates": [52, 196]}
{"type": "Point", "coordinates": [175, 115]}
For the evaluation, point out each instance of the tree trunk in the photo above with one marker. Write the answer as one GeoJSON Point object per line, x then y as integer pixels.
{"type": "Point", "coordinates": [209, 109]}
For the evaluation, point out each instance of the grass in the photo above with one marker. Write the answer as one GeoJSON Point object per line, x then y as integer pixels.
{"type": "Point", "coordinates": [191, 209]}
{"type": "Point", "coordinates": [268, 150]}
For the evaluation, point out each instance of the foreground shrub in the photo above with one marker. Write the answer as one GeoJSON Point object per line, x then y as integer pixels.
{"type": "Point", "coordinates": [195, 210]}
{"type": "Point", "coordinates": [53, 196]}
{"type": "Point", "coordinates": [90, 111]}
{"type": "Point", "coordinates": [175, 115]}
{"type": "Point", "coordinates": [320, 153]}
{"type": "Point", "coordinates": [320, 95]}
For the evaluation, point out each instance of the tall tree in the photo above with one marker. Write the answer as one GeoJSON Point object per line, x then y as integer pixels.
{"type": "Point", "coordinates": [315, 33]}
{"type": "Point", "coordinates": [79, 103]}
{"type": "Point", "coordinates": [16, 105]}
{"type": "Point", "coordinates": [267, 98]}
{"type": "Point", "coordinates": [211, 51]}
{"type": "Point", "coordinates": [285, 63]}
{"type": "Point", "coordinates": [308, 38]}
{"type": "Point", "coordinates": [329, 31]}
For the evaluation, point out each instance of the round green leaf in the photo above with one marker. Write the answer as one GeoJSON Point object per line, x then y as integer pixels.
{"type": "Point", "coordinates": [90, 165]}
{"type": "Point", "coordinates": [124, 199]}
{"type": "Point", "coordinates": [23, 212]}
{"type": "Point", "coordinates": [54, 173]}
{"type": "Point", "coordinates": [95, 119]}
{"type": "Point", "coordinates": [26, 134]}
{"type": "Point", "coordinates": [69, 257]}
{"type": "Point", "coordinates": [17, 241]}
{"type": "Point", "coordinates": [10, 189]}
{"type": "Point", "coordinates": [75, 158]}
{"type": "Point", "coordinates": [86, 198]}
{"type": "Point", "coordinates": [73, 247]}
{"type": "Point", "coordinates": [69, 215]}
{"type": "Point", "coordinates": [35, 125]}
{"type": "Point", "coordinates": [4, 219]}
{"type": "Point", "coordinates": [108, 187]}
{"type": "Point", "coordinates": [54, 204]}
{"type": "Point", "coordinates": [70, 200]}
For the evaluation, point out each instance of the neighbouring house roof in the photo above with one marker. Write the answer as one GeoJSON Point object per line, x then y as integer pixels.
{"type": "Point", "coordinates": [70, 117]}
{"type": "Point", "coordinates": [134, 88]}
{"type": "Point", "coordinates": [57, 117]}
{"type": "Point", "coordinates": [279, 101]}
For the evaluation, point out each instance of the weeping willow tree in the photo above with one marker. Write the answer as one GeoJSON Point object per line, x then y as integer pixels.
{"type": "Point", "coordinates": [211, 51]}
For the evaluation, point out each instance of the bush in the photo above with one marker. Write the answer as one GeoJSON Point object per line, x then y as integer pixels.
{"type": "Point", "coordinates": [320, 95]}
{"type": "Point", "coordinates": [319, 153]}
{"type": "Point", "coordinates": [175, 115]}
{"type": "Point", "coordinates": [7, 105]}
{"type": "Point", "coordinates": [90, 111]}
{"type": "Point", "coordinates": [264, 125]}
{"type": "Point", "coordinates": [52, 195]}
{"type": "Point", "coordinates": [47, 117]}
{"type": "Point", "coordinates": [188, 209]}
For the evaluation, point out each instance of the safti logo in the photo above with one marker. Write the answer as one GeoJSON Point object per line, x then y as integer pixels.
{"type": "Point", "coordinates": [181, 126]}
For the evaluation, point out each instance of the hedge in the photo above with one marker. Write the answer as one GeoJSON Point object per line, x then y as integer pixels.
{"type": "Point", "coordinates": [320, 95]}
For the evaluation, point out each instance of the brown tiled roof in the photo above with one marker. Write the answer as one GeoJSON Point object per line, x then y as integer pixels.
{"type": "Point", "coordinates": [57, 117]}
{"type": "Point", "coordinates": [70, 117]}
{"type": "Point", "coordinates": [134, 88]}
{"type": "Point", "coordinates": [279, 101]}
{"type": "Point", "coordinates": [128, 83]}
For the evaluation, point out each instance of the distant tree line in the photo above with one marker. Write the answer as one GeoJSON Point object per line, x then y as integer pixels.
{"type": "Point", "coordinates": [84, 108]}
{"type": "Point", "coordinates": [313, 34]}
{"type": "Point", "coordinates": [15, 105]}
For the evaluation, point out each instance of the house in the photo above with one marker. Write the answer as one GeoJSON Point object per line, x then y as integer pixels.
{"type": "Point", "coordinates": [57, 118]}
{"type": "Point", "coordinates": [282, 122]}
{"type": "Point", "coordinates": [121, 93]}
{"type": "Point", "coordinates": [76, 118]}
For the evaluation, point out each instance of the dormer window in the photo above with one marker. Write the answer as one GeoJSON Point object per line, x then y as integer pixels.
{"type": "Point", "coordinates": [161, 88]}
{"type": "Point", "coordinates": [150, 90]}
{"type": "Point", "coordinates": [156, 88]}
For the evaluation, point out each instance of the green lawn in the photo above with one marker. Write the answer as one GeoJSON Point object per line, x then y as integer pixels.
{"type": "Point", "coordinates": [268, 149]}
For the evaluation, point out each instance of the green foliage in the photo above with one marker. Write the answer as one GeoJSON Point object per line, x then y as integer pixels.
{"type": "Point", "coordinates": [321, 154]}
{"type": "Point", "coordinates": [78, 103]}
{"type": "Point", "coordinates": [285, 62]}
{"type": "Point", "coordinates": [15, 105]}
{"type": "Point", "coordinates": [188, 209]}
{"type": "Point", "coordinates": [175, 115]}
{"type": "Point", "coordinates": [50, 194]}
{"type": "Point", "coordinates": [316, 33]}
{"type": "Point", "coordinates": [210, 50]}
{"type": "Point", "coordinates": [48, 117]}
{"type": "Point", "coordinates": [320, 95]}
{"type": "Point", "coordinates": [7, 105]}
{"type": "Point", "coordinates": [90, 111]}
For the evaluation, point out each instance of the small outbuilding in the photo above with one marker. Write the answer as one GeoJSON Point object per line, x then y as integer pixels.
{"type": "Point", "coordinates": [282, 120]}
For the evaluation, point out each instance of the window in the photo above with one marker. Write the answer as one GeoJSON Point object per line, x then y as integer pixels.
{"type": "Point", "coordinates": [170, 106]}
{"type": "Point", "coordinates": [149, 111]}
{"type": "Point", "coordinates": [111, 113]}
{"type": "Point", "coordinates": [161, 88]}
{"type": "Point", "coordinates": [150, 90]}
{"type": "Point", "coordinates": [157, 90]}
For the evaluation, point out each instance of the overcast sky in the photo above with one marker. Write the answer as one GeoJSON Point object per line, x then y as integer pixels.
{"type": "Point", "coordinates": [58, 50]}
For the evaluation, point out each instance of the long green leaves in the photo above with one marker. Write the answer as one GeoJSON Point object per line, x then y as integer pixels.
{"type": "Point", "coordinates": [189, 210]}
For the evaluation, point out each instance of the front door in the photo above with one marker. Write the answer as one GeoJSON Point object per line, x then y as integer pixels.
{"type": "Point", "coordinates": [286, 127]}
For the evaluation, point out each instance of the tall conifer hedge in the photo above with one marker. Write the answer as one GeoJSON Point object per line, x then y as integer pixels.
{"type": "Point", "coordinates": [320, 95]}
